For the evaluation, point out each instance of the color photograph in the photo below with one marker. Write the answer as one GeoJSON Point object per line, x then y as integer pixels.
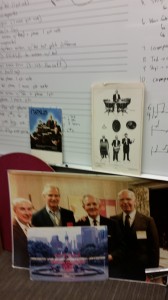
{"type": "Point", "coordinates": [46, 133]}
{"type": "Point", "coordinates": [68, 254]}
{"type": "Point", "coordinates": [133, 209]}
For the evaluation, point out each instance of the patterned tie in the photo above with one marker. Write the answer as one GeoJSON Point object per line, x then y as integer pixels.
{"type": "Point", "coordinates": [26, 229]}
{"type": "Point", "coordinates": [55, 218]}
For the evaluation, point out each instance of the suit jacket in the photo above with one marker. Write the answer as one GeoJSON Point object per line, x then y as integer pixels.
{"type": "Point", "coordinates": [115, 143]}
{"type": "Point", "coordinates": [126, 145]}
{"type": "Point", "coordinates": [116, 245]}
{"type": "Point", "coordinates": [142, 246]}
{"type": "Point", "coordinates": [42, 218]}
{"type": "Point", "coordinates": [115, 98]}
{"type": "Point", "coordinates": [20, 251]}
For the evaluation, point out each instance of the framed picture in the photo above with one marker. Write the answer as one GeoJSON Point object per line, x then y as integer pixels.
{"type": "Point", "coordinates": [51, 200]}
{"type": "Point", "coordinates": [117, 125]}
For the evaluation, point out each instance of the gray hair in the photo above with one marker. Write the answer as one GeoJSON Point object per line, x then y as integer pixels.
{"type": "Point", "coordinates": [17, 201]}
{"type": "Point", "coordinates": [48, 187]}
{"type": "Point", "coordinates": [85, 197]}
{"type": "Point", "coordinates": [127, 191]}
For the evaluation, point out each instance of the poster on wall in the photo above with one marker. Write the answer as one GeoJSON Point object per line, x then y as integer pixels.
{"type": "Point", "coordinates": [68, 253]}
{"type": "Point", "coordinates": [46, 133]}
{"type": "Point", "coordinates": [117, 125]}
{"type": "Point", "coordinates": [136, 221]}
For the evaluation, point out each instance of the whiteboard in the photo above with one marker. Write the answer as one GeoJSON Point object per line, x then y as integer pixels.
{"type": "Point", "coordinates": [51, 52]}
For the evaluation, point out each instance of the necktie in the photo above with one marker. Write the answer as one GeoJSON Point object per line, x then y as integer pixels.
{"type": "Point", "coordinates": [26, 228]}
{"type": "Point", "coordinates": [55, 218]}
{"type": "Point", "coordinates": [127, 222]}
{"type": "Point", "coordinates": [95, 222]}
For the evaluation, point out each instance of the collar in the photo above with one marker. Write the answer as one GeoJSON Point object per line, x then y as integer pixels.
{"type": "Point", "coordinates": [132, 216]}
{"type": "Point", "coordinates": [91, 220]}
{"type": "Point", "coordinates": [23, 226]}
{"type": "Point", "coordinates": [49, 210]}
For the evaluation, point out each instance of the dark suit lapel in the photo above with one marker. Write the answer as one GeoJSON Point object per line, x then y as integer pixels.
{"type": "Point", "coordinates": [87, 223]}
{"type": "Point", "coordinates": [138, 222]}
{"type": "Point", "coordinates": [18, 229]}
{"type": "Point", "coordinates": [103, 221]}
{"type": "Point", "coordinates": [120, 219]}
{"type": "Point", "coordinates": [63, 216]}
{"type": "Point", "coordinates": [47, 218]}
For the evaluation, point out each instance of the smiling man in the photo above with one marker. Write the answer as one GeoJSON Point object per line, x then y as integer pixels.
{"type": "Point", "coordinates": [23, 210]}
{"type": "Point", "coordinates": [140, 236]}
{"type": "Point", "coordinates": [52, 214]}
{"type": "Point", "coordinates": [116, 247]}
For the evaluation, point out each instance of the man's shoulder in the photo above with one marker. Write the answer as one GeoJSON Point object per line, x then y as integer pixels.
{"type": "Point", "coordinates": [104, 218]}
{"type": "Point", "coordinates": [140, 216]}
{"type": "Point", "coordinates": [83, 221]}
{"type": "Point", "coordinates": [107, 221]}
{"type": "Point", "coordinates": [17, 230]}
{"type": "Point", "coordinates": [116, 217]}
{"type": "Point", "coordinates": [16, 225]}
{"type": "Point", "coordinates": [65, 210]}
{"type": "Point", "coordinates": [39, 212]}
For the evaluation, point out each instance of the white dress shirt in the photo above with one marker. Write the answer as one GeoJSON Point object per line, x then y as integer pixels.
{"type": "Point", "coordinates": [131, 217]}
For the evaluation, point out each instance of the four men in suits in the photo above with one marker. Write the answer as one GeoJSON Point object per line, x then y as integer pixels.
{"type": "Point", "coordinates": [115, 241]}
{"type": "Point", "coordinates": [52, 214]}
{"type": "Point", "coordinates": [133, 242]}
{"type": "Point", "coordinates": [23, 210]}
{"type": "Point", "coordinates": [140, 236]}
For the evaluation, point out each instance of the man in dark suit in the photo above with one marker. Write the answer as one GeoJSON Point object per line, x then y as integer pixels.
{"type": "Point", "coordinates": [115, 240]}
{"type": "Point", "coordinates": [126, 146]}
{"type": "Point", "coordinates": [22, 221]}
{"type": "Point", "coordinates": [52, 214]}
{"type": "Point", "coordinates": [50, 122]}
{"type": "Point", "coordinates": [116, 99]}
{"type": "Point", "coordinates": [116, 96]}
{"type": "Point", "coordinates": [116, 148]}
{"type": "Point", "coordinates": [141, 238]}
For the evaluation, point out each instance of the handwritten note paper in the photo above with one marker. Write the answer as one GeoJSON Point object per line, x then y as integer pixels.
{"type": "Point", "coordinates": [51, 52]}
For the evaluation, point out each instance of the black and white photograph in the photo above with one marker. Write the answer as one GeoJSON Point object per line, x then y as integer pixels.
{"type": "Point", "coordinates": [117, 127]}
